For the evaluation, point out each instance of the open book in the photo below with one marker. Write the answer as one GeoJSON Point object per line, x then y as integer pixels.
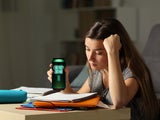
{"type": "Point", "coordinates": [59, 96]}
{"type": "Point", "coordinates": [68, 100]}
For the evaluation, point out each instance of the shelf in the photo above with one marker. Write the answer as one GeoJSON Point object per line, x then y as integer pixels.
{"type": "Point", "coordinates": [73, 52]}
{"type": "Point", "coordinates": [89, 8]}
{"type": "Point", "coordinates": [85, 4]}
{"type": "Point", "coordinates": [86, 16]}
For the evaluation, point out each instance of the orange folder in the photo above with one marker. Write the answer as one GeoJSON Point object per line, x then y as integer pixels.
{"type": "Point", "coordinates": [92, 102]}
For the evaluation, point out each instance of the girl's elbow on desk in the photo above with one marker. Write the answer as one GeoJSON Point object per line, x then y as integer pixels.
{"type": "Point", "coordinates": [119, 104]}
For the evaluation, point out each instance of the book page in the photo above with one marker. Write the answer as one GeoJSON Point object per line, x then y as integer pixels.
{"type": "Point", "coordinates": [33, 90]}
{"type": "Point", "coordinates": [102, 105]}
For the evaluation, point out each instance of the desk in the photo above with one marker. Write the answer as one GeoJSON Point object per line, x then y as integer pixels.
{"type": "Point", "coordinates": [8, 112]}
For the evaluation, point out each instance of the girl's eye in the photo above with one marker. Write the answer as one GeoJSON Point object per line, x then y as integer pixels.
{"type": "Point", "coordinates": [99, 53]}
{"type": "Point", "coordinates": [87, 49]}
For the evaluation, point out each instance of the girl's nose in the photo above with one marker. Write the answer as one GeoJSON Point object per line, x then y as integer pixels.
{"type": "Point", "coordinates": [91, 56]}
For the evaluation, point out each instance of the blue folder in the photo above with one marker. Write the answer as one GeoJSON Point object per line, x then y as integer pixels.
{"type": "Point", "coordinates": [12, 96]}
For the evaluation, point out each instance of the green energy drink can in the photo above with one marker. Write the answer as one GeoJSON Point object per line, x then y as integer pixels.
{"type": "Point", "coordinates": [58, 77]}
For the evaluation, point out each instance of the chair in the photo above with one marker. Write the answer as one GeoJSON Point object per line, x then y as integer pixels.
{"type": "Point", "coordinates": [151, 54]}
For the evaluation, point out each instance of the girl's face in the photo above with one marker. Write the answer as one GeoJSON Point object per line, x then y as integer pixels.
{"type": "Point", "coordinates": [96, 54]}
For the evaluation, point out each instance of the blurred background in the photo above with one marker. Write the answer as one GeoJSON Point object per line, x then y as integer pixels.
{"type": "Point", "coordinates": [32, 32]}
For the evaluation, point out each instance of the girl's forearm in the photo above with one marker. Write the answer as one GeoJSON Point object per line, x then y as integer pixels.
{"type": "Point", "coordinates": [118, 90]}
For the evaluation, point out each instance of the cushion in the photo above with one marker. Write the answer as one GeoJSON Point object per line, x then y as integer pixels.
{"type": "Point", "coordinates": [74, 70]}
{"type": "Point", "coordinates": [12, 96]}
{"type": "Point", "coordinates": [80, 79]}
{"type": "Point", "coordinates": [154, 66]}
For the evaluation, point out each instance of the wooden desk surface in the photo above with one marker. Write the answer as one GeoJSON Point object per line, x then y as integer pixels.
{"type": "Point", "coordinates": [8, 112]}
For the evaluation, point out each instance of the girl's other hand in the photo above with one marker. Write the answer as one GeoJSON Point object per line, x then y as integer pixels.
{"type": "Point", "coordinates": [112, 43]}
{"type": "Point", "coordinates": [49, 73]}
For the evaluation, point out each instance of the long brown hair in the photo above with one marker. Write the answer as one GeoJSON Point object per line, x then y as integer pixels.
{"type": "Point", "coordinates": [129, 57]}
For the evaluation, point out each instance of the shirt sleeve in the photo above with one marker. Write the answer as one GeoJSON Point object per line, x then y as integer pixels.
{"type": "Point", "coordinates": [127, 73]}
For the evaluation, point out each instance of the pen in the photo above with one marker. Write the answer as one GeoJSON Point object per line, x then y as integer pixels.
{"type": "Point", "coordinates": [49, 92]}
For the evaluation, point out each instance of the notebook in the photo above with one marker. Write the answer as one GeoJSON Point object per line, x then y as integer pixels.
{"type": "Point", "coordinates": [91, 102]}
{"type": "Point", "coordinates": [59, 96]}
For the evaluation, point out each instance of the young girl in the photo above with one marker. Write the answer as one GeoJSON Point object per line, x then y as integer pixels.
{"type": "Point", "coordinates": [117, 72]}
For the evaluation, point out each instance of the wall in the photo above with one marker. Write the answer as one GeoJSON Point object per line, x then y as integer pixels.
{"type": "Point", "coordinates": [148, 16]}
{"type": "Point", "coordinates": [30, 36]}
{"type": "Point", "coordinates": [25, 36]}
{"type": "Point", "coordinates": [5, 73]}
